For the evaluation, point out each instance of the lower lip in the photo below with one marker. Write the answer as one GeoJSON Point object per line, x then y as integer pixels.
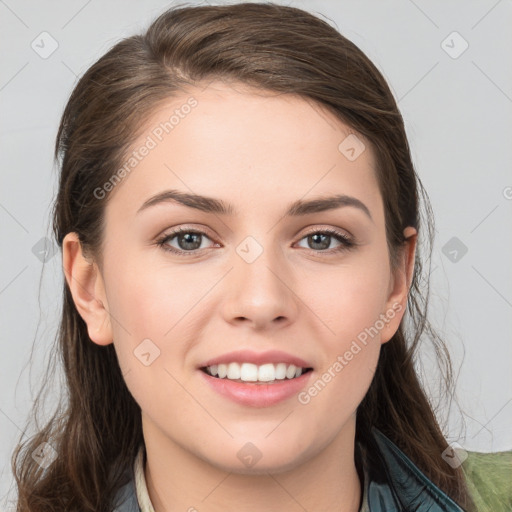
{"type": "Point", "coordinates": [257, 394]}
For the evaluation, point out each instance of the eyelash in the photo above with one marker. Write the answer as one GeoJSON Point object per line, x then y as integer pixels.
{"type": "Point", "coordinates": [346, 242]}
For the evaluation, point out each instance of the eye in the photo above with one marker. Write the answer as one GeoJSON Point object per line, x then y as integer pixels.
{"type": "Point", "coordinates": [189, 241]}
{"type": "Point", "coordinates": [320, 240]}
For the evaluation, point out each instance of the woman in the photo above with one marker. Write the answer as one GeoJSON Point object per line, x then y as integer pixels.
{"type": "Point", "coordinates": [238, 214]}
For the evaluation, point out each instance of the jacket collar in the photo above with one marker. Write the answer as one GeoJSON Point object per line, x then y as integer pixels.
{"type": "Point", "coordinates": [394, 483]}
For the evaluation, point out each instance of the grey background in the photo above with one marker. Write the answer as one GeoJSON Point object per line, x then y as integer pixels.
{"type": "Point", "coordinates": [457, 110]}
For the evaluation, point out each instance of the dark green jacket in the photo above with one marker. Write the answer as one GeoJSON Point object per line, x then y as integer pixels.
{"type": "Point", "coordinates": [392, 483]}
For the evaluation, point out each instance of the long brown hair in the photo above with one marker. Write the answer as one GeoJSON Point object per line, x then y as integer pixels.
{"type": "Point", "coordinates": [97, 430]}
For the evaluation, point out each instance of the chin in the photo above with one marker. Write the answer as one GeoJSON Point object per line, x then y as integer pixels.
{"type": "Point", "coordinates": [259, 464]}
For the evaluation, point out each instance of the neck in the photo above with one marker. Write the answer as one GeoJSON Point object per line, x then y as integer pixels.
{"type": "Point", "coordinates": [180, 480]}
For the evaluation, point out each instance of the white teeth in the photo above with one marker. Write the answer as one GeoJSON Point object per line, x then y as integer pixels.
{"type": "Point", "coordinates": [280, 371]}
{"type": "Point", "coordinates": [266, 372]}
{"type": "Point", "coordinates": [290, 371]}
{"type": "Point", "coordinates": [233, 371]}
{"type": "Point", "coordinates": [249, 372]}
{"type": "Point", "coordinates": [223, 370]}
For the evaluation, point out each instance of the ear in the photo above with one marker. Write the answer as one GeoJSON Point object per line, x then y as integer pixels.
{"type": "Point", "coordinates": [87, 288]}
{"type": "Point", "coordinates": [400, 283]}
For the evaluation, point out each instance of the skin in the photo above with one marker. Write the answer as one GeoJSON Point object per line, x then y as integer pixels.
{"type": "Point", "coordinates": [260, 152]}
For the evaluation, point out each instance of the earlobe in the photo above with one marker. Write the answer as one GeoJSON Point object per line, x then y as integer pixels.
{"type": "Point", "coordinates": [87, 288]}
{"type": "Point", "coordinates": [401, 282]}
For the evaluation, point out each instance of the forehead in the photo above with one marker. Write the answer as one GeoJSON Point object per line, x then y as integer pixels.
{"type": "Point", "coordinates": [251, 145]}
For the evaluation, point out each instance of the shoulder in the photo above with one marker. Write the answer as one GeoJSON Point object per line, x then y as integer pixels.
{"type": "Point", "coordinates": [488, 476]}
{"type": "Point", "coordinates": [394, 483]}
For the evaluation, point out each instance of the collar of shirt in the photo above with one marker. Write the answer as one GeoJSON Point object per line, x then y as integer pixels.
{"type": "Point", "coordinates": [140, 482]}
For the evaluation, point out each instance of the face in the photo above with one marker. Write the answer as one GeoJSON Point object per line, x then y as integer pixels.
{"type": "Point", "coordinates": [314, 283]}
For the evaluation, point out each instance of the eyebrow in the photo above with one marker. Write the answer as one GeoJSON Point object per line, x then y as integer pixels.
{"type": "Point", "coordinates": [217, 206]}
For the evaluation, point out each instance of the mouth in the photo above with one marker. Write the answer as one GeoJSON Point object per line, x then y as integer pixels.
{"type": "Point", "coordinates": [248, 373]}
{"type": "Point", "coordinates": [256, 379]}
{"type": "Point", "coordinates": [265, 388]}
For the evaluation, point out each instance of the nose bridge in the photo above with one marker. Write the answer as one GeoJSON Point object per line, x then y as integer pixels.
{"type": "Point", "coordinates": [259, 290]}
{"type": "Point", "coordinates": [257, 262]}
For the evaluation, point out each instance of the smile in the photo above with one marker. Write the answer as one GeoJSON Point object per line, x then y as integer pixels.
{"type": "Point", "coordinates": [257, 393]}
{"type": "Point", "coordinates": [248, 372]}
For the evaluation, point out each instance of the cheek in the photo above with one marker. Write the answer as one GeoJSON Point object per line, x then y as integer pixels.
{"type": "Point", "coordinates": [347, 300]}
{"type": "Point", "coordinates": [148, 318]}
{"type": "Point", "coordinates": [153, 320]}
{"type": "Point", "coordinates": [144, 299]}
{"type": "Point", "coordinates": [340, 384]}
{"type": "Point", "coordinates": [350, 355]}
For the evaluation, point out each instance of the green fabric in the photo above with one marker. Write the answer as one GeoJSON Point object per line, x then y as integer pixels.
{"type": "Point", "coordinates": [489, 477]}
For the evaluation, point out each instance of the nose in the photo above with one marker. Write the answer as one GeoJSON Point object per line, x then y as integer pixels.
{"type": "Point", "coordinates": [259, 290]}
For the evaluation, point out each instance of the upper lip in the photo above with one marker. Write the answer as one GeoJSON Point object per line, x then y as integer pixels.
{"type": "Point", "coordinates": [257, 358]}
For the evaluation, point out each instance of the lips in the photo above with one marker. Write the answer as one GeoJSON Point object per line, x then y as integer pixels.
{"type": "Point", "coordinates": [257, 394]}
{"type": "Point", "coordinates": [257, 358]}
